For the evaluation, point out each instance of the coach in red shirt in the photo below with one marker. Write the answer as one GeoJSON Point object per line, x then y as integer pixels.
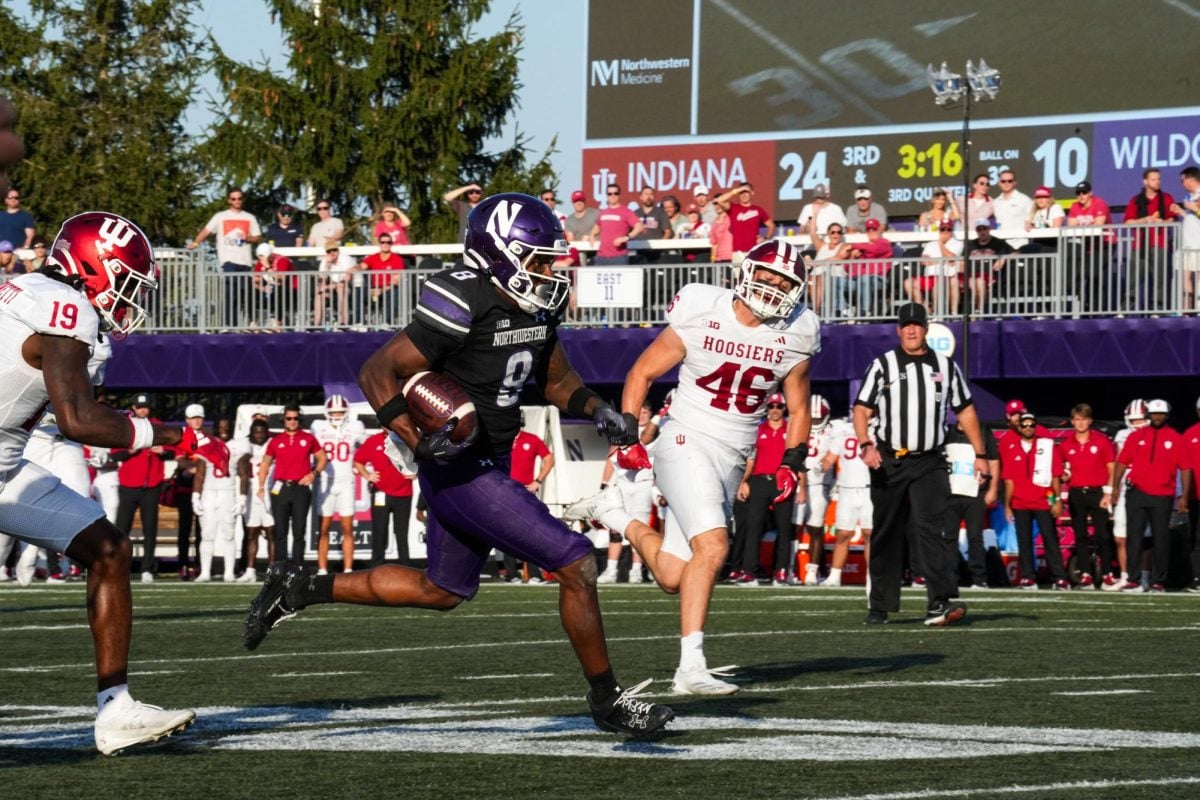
{"type": "Point", "coordinates": [1032, 469]}
{"type": "Point", "coordinates": [391, 493]}
{"type": "Point", "coordinates": [1013, 410]}
{"type": "Point", "coordinates": [758, 491]}
{"type": "Point", "coordinates": [526, 450]}
{"type": "Point", "coordinates": [1152, 455]}
{"type": "Point", "coordinates": [1089, 457]}
{"type": "Point", "coordinates": [298, 459]}
{"type": "Point", "coordinates": [140, 485]}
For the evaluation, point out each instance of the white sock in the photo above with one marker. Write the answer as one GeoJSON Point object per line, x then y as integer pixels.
{"type": "Point", "coordinates": [229, 555]}
{"type": "Point", "coordinates": [206, 556]}
{"type": "Point", "coordinates": [835, 575]}
{"type": "Point", "coordinates": [635, 573]}
{"type": "Point", "coordinates": [110, 694]}
{"type": "Point", "coordinates": [612, 566]}
{"type": "Point", "coordinates": [617, 519]}
{"type": "Point", "coordinates": [811, 569]}
{"type": "Point", "coordinates": [1124, 576]}
{"type": "Point", "coordinates": [691, 650]}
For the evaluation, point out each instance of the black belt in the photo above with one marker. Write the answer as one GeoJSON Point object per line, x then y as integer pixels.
{"type": "Point", "coordinates": [291, 483]}
{"type": "Point", "coordinates": [1088, 489]}
{"type": "Point", "coordinates": [904, 453]}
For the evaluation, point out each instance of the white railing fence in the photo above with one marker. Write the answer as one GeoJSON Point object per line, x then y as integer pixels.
{"type": "Point", "coordinates": [1114, 270]}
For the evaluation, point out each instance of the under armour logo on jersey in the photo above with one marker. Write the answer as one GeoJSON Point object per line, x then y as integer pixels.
{"type": "Point", "coordinates": [504, 216]}
{"type": "Point", "coordinates": [114, 232]}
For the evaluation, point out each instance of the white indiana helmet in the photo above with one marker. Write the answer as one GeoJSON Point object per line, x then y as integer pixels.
{"type": "Point", "coordinates": [819, 409]}
{"type": "Point", "coordinates": [1135, 412]}
{"type": "Point", "coordinates": [765, 300]}
{"type": "Point", "coordinates": [336, 403]}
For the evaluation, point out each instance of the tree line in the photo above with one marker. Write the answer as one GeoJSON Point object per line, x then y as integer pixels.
{"type": "Point", "coordinates": [380, 102]}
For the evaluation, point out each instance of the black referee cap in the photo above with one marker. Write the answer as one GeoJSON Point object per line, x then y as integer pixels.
{"type": "Point", "coordinates": [912, 312]}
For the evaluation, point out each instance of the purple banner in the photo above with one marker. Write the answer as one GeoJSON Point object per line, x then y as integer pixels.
{"type": "Point", "coordinates": [1121, 151]}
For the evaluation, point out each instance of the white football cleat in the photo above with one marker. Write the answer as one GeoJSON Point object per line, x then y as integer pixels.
{"type": "Point", "coordinates": [596, 506]}
{"type": "Point", "coordinates": [249, 576]}
{"type": "Point", "coordinates": [25, 572]}
{"type": "Point", "coordinates": [203, 577]}
{"type": "Point", "coordinates": [147, 577]}
{"type": "Point", "coordinates": [700, 680]}
{"type": "Point", "coordinates": [126, 722]}
{"type": "Point", "coordinates": [607, 577]}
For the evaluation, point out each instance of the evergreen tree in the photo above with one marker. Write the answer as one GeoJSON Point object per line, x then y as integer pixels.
{"type": "Point", "coordinates": [381, 102]}
{"type": "Point", "coordinates": [100, 87]}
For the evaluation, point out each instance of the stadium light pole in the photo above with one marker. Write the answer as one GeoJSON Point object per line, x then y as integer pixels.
{"type": "Point", "coordinates": [949, 89]}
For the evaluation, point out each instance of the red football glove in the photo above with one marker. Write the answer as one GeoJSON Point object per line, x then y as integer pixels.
{"type": "Point", "coordinates": [785, 480]}
{"type": "Point", "coordinates": [633, 457]}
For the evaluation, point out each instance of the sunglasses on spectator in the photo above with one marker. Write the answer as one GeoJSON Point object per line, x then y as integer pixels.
{"type": "Point", "coordinates": [613, 194]}
{"type": "Point", "coordinates": [385, 241]}
{"type": "Point", "coordinates": [475, 191]}
{"type": "Point", "coordinates": [549, 199]}
{"type": "Point", "coordinates": [774, 405]}
{"type": "Point", "coordinates": [838, 232]}
{"type": "Point", "coordinates": [291, 419]}
{"type": "Point", "coordinates": [984, 182]}
{"type": "Point", "coordinates": [238, 197]}
{"type": "Point", "coordinates": [322, 208]}
{"type": "Point", "coordinates": [1008, 180]}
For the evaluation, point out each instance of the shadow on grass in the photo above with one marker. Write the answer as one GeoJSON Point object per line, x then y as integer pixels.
{"type": "Point", "coordinates": [24, 609]}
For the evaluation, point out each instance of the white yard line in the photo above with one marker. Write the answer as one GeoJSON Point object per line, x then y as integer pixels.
{"type": "Point", "coordinates": [1102, 692]}
{"type": "Point", "coordinates": [313, 674]}
{"type": "Point", "coordinates": [506, 677]}
{"type": "Point", "coordinates": [992, 791]}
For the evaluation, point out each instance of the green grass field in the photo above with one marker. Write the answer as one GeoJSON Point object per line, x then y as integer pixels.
{"type": "Point", "coordinates": [1040, 695]}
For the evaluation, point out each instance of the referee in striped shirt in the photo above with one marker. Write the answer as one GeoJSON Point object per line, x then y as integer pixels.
{"type": "Point", "coordinates": [909, 390]}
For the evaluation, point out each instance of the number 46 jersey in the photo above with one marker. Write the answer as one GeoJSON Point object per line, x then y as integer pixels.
{"type": "Point", "coordinates": [29, 304]}
{"type": "Point", "coordinates": [730, 368]}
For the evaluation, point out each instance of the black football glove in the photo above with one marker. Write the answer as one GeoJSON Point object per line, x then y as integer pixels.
{"type": "Point", "coordinates": [437, 446]}
{"type": "Point", "coordinates": [619, 429]}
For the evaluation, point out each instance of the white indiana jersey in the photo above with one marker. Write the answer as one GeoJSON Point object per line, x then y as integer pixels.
{"type": "Point", "coordinates": [29, 304]}
{"type": "Point", "coordinates": [819, 443]}
{"type": "Point", "coordinates": [340, 444]}
{"type": "Point", "coordinates": [852, 472]}
{"type": "Point", "coordinates": [237, 449]}
{"type": "Point", "coordinates": [730, 368]}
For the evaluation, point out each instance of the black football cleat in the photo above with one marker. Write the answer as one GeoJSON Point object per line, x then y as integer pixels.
{"type": "Point", "coordinates": [270, 607]}
{"type": "Point", "coordinates": [624, 713]}
{"type": "Point", "coordinates": [876, 618]}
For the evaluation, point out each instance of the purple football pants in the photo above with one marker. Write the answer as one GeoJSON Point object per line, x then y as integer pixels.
{"type": "Point", "coordinates": [473, 507]}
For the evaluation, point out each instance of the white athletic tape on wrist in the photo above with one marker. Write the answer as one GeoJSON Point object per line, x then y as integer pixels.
{"type": "Point", "coordinates": [143, 433]}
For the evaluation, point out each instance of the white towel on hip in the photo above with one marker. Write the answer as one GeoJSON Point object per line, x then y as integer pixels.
{"type": "Point", "coordinates": [1043, 461]}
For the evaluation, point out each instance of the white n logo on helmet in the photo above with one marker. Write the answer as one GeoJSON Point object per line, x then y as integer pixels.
{"type": "Point", "coordinates": [504, 216]}
{"type": "Point", "coordinates": [114, 232]}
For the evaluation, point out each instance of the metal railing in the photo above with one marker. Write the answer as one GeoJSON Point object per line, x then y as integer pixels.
{"type": "Point", "coordinates": [1111, 270]}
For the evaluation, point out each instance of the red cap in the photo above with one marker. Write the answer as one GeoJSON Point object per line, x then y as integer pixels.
{"type": "Point", "coordinates": [1043, 191]}
{"type": "Point", "coordinates": [692, 207]}
{"type": "Point", "coordinates": [577, 195]}
{"type": "Point", "coordinates": [1014, 407]}
{"type": "Point", "coordinates": [871, 224]}
{"type": "Point", "coordinates": [776, 398]}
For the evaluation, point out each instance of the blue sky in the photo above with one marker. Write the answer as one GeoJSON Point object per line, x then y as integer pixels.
{"type": "Point", "coordinates": [552, 68]}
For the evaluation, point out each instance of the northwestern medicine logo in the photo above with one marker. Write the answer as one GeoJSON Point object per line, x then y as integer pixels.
{"type": "Point", "coordinates": [630, 71]}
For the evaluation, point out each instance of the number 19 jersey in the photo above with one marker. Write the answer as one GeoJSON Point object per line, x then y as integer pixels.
{"type": "Point", "coordinates": [730, 368]}
{"type": "Point", "coordinates": [29, 304]}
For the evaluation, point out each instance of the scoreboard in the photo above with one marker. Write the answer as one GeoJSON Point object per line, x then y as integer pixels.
{"type": "Point", "coordinates": [790, 95]}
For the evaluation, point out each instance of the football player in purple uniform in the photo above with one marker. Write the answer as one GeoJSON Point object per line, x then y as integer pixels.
{"type": "Point", "coordinates": [490, 326]}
